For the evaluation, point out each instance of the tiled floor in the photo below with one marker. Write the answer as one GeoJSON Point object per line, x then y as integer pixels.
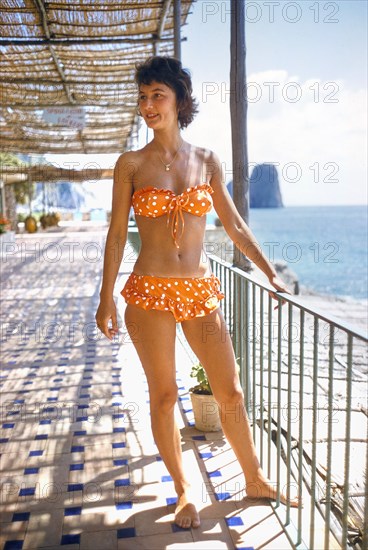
{"type": "Point", "coordinates": [79, 466]}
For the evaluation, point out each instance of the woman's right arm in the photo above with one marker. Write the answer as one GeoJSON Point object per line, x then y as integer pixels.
{"type": "Point", "coordinates": [115, 242]}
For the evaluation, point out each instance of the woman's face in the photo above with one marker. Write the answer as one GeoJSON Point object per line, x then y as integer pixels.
{"type": "Point", "coordinates": [157, 103]}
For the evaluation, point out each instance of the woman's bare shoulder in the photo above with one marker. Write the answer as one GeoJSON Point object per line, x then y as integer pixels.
{"type": "Point", "coordinates": [209, 161]}
{"type": "Point", "coordinates": [205, 154]}
{"type": "Point", "coordinates": [130, 161]}
{"type": "Point", "coordinates": [128, 157]}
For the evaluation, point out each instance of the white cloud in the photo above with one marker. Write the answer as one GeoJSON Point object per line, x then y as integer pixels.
{"type": "Point", "coordinates": [323, 132]}
{"type": "Point", "coordinates": [323, 140]}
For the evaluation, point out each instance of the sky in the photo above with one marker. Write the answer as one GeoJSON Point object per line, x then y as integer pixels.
{"type": "Point", "coordinates": [306, 88]}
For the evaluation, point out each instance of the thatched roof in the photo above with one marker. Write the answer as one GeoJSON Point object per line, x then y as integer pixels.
{"type": "Point", "coordinates": [49, 173]}
{"type": "Point", "coordinates": [77, 56]}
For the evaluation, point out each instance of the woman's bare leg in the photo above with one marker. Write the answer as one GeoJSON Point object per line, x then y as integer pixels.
{"type": "Point", "coordinates": [153, 334]}
{"type": "Point", "coordinates": [210, 341]}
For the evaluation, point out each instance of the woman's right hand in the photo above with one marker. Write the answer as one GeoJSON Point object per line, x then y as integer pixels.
{"type": "Point", "coordinates": [107, 311]}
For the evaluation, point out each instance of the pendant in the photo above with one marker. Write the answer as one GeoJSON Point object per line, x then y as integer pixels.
{"type": "Point", "coordinates": [167, 167]}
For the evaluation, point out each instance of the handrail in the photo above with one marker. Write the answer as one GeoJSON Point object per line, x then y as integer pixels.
{"type": "Point", "coordinates": [293, 299]}
{"type": "Point", "coordinates": [304, 394]}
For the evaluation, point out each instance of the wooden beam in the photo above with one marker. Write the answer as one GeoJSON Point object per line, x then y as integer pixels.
{"type": "Point", "coordinates": [177, 29]}
{"type": "Point", "coordinates": [118, 6]}
{"type": "Point", "coordinates": [64, 140]}
{"type": "Point", "coordinates": [27, 147]}
{"type": "Point", "coordinates": [161, 26]}
{"type": "Point", "coordinates": [48, 173]}
{"type": "Point", "coordinates": [68, 82]}
{"type": "Point", "coordinates": [43, 15]}
{"type": "Point", "coordinates": [238, 110]}
{"type": "Point", "coordinates": [39, 106]}
{"type": "Point", "coordinates": [78, 41]}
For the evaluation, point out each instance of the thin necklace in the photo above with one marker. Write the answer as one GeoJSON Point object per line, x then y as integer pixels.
{"type": "Point", "coordinates": [167, 166]}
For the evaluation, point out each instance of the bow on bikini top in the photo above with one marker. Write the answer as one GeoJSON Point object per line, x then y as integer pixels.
{"type": "Point", "coordinates": [152, 202]}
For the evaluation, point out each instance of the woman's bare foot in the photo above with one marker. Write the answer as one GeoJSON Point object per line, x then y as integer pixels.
{"type": "Point", "coordinates": [264, 488]}
{"type": "Point", "coordinates": [186, 515]}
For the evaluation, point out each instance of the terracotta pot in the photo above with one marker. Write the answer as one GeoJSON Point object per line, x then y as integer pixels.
{"type": "Point", "coordinates": [30, 224]}
{"type": "Point", "coordinates": [206, 412]}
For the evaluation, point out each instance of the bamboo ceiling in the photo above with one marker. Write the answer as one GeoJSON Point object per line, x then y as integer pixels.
{"type": "Point", "coordinates": [51, 173]}
{"type": "Point", "coordinates": [77, 55]}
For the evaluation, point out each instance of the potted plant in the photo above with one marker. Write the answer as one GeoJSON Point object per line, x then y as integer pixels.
{"type": "Point", "coordinates": [205, 408]}
{"type": "Point", "coordinates": [49, 220]}
{"type": "Point", "coordinates": [6, 235]}
{"type": "Point", "coordinates": [30, 223]}
{"type": "Point", "coordinates": [4, 224]}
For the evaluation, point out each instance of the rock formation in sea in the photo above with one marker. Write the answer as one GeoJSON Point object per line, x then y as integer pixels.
{"type": "Point", "coordinates": [264, 187]}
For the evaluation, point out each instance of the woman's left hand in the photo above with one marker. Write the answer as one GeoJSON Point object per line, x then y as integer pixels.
{"type": "Point", "coordinates": [279, 285]}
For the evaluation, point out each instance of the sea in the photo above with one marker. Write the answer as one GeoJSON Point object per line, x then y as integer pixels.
{"type": "Point", "coordinates": [325, 246]}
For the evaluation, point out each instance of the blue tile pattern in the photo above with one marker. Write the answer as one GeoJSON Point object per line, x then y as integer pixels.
{"type": "Point", "coordinates": [36, 453]}
{"type": "Point", "coordinates": [74, 511]}
{"type": "Point", "coordinates": [166, 478]}
{"type": "Point", "coordinates": [77, 466]}
{"type": "Point", "coordinates": [120, 461]}
{"type": "Point", "coordinates": [222, 496]}
{"type": "Point", "coordinates": [122, 482]}
{"type": "Point", "coordinates": [70, 539]}
{"type": "Point", "coordinates": [58, 388]}
{"type": "Point", "coordinates": [125, 533]}
{"type": "Point", "coordinates": [176, 529]}
{"type": "Point", "coordinates": [13, 545]}
{"type": "Point", "coordinates": [75, 487]}
{"type": "Point", "coordinates": [125, 505]}
{"type": "Point", "coordinates": [119, 445]}
{"type": "Point", "coordinates": [21, 516]}
{"type": "Point", "coordinates": [236, 520]}
{"type": "Point", "coordinates": [29, 471]}
{"type": "Point", "coordinates": [215, 473]}
{"type": "Point", "coordinates": [205, 455]}
{"type": "Point", "coordinates": [27, 491]}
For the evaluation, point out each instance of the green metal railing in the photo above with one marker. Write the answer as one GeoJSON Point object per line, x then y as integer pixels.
{"type": "Point", "coordinates": [305, 385]}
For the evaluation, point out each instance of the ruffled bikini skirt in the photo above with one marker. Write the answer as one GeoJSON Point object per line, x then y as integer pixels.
{"type": "Point", "coordinates": [184, 297]}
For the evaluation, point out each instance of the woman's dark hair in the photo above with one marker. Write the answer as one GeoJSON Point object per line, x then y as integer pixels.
{"type": "Point", "coordinates": [169, 71]}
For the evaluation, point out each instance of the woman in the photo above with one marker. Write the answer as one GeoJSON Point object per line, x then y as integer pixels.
{"type": "Point", "coordinates": [171, 185]}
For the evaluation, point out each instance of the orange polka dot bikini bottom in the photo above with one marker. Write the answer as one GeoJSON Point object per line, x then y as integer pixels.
{"type": "Point", "coordinates": [184, 297]}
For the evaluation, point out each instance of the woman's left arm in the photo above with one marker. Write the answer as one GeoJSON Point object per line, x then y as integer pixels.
{"type": "Point", "coordinates": [238, 231]}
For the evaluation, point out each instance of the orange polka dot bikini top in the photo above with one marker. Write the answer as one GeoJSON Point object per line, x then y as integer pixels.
{"type": "Point", "coordinates": [152, 202]}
